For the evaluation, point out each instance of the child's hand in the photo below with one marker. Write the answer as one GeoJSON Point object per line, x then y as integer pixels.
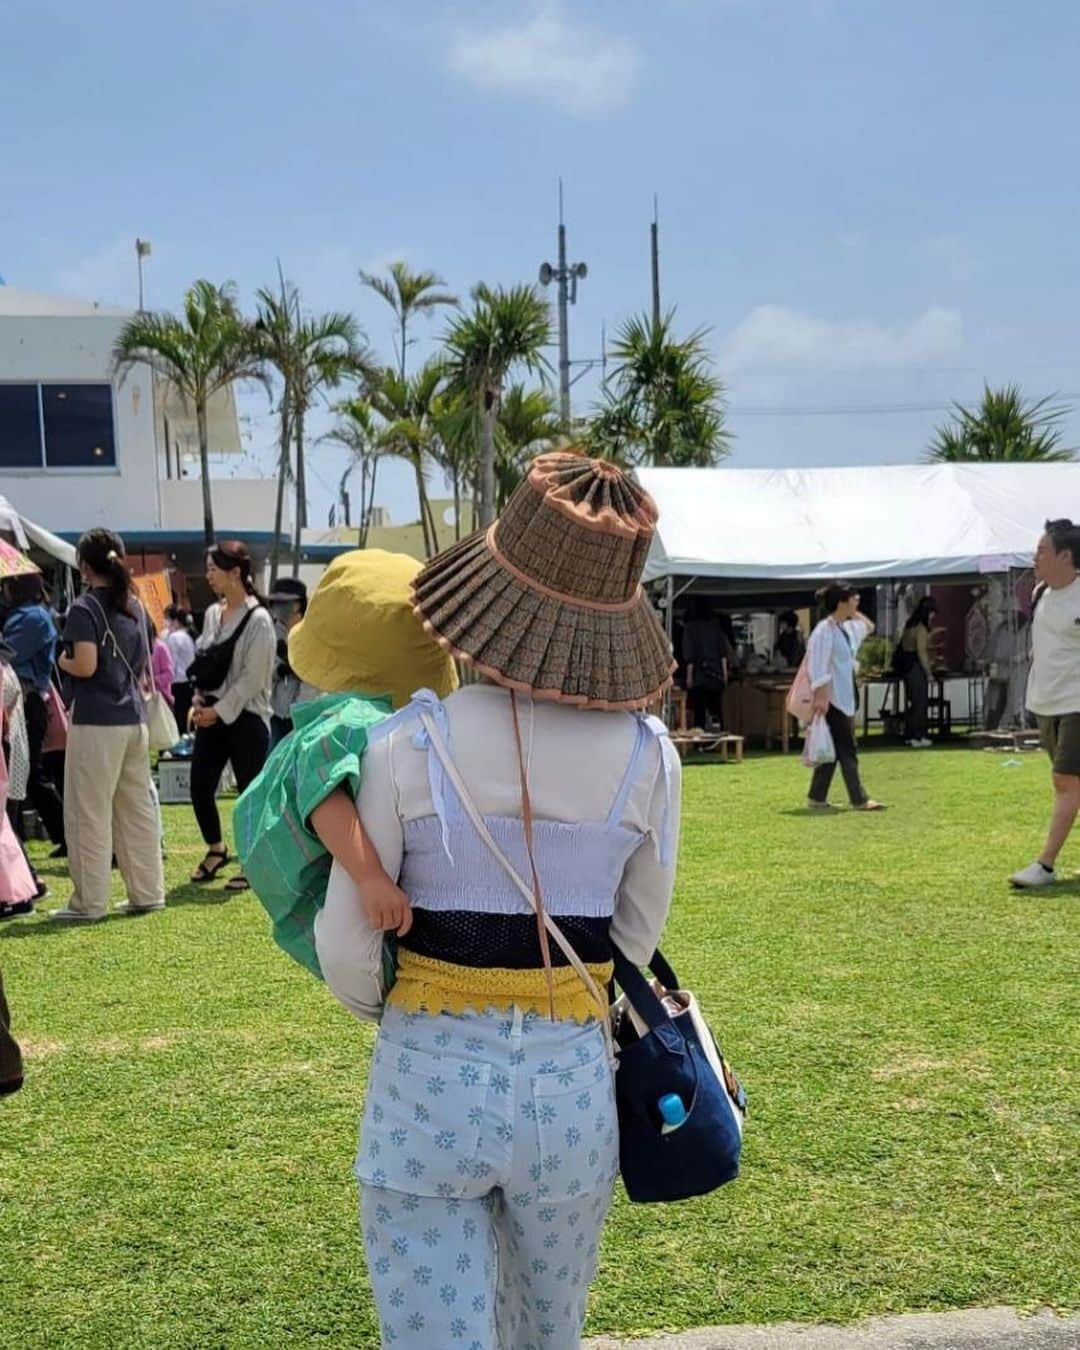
{"type": "Point", "coordinates": [386, 905]}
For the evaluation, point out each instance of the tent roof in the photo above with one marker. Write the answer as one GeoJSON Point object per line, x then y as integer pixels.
{"type": "Point", "coordinates": [25, 533]}
{"type": "Point", "coordinates": [881, 521]}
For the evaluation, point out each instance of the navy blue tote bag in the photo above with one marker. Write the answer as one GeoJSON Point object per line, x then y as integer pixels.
{"type": "Point", "coordinates": [660, 1162]}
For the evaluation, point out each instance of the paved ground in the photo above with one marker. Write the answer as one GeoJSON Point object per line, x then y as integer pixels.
{"type": "Point", "coordinates": [973, 1329]}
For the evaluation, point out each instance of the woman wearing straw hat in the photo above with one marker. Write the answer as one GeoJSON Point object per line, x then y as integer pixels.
{"type": "Point", "coordinates": [489, 1143]}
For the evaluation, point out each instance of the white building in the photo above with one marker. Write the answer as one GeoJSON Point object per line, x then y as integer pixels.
{"type": "Point", "coordinates": [80, 447]}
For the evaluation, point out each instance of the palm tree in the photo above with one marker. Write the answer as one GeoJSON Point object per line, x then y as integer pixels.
{"type": "Point", "coordinates": [328, 349]}
{"type": "Point", "coordinates": [357, 432]}
{"type": "Point", "coordinates": [409, 293]}
{"type": "Point", "coordinates": [201, 352]}
{"type": "Point", "coordinates": [310, 353]}
{"type": "Point", "coordinates": [454, 447]}
{"type": "Point", "coordinates": [528, 423]}
{"type": "Point", "coordinates": [274, 325]}
{"type": "Point", "coordinates": [408, 409]}
{"type": "Point", "coordinates": [1003, 428]}
{"type": "Point", "coordinates": [664, 405]}
{"type": "Point", "coordinates": [507, 329]}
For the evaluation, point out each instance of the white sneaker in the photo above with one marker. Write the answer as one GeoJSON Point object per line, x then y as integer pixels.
{"type": "Point", "coordinates": [1032, 878]}
{"type": "Point", "coordinates": [926, 745]}
{"type": "Point", "coordinates": [74, 916]}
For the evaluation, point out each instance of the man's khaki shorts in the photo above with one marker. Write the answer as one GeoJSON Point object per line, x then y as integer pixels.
{"type": "Point", "coordinates": [1061, 741]}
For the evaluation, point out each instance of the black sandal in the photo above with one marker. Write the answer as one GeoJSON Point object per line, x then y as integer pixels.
{"type": "Point", "coordinates": [235, 885]}
{"type": "Point", "coordinates": [210, 866]}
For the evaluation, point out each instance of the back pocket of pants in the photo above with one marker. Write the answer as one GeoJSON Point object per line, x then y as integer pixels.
{"type": "Point", "coordinates": [422, 1120]}
{"type": "Point", "coordinates": [577, 1129]}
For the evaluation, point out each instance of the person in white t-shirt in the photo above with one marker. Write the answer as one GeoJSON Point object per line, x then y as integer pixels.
{"type": "Point", "coordinates": [1054, 686]}
{"type": "Point", "coordinates": [181, 645]}
{"type": "Point", "coordinates": [831, 655]}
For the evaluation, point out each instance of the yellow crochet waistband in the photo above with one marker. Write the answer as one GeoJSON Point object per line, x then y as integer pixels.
{"type": "Point", "coordinates": [430, 986]}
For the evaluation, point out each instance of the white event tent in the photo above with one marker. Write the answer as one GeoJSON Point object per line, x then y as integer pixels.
{"type": "Point", "coordinates": [761, 528]}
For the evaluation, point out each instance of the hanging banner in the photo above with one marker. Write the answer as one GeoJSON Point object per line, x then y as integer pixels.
{"type": "Point", "coordinates": [156, 595]}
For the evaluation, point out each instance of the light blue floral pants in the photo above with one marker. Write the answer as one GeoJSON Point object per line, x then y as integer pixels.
{"type": "Point", "coordinates": [488, 1152]}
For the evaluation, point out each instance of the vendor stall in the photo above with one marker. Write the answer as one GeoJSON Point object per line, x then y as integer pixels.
{"type": "Point", "coordinates": [758, 541]}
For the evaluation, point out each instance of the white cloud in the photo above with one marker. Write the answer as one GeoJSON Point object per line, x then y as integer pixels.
{"type": "Point", "coordinates": [547, 57]}
{"type": "Point", "coordinates": [772, 337]}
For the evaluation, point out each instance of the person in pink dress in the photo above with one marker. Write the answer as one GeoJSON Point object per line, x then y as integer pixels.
{"type": "Point", "coordinates": [161, 663]}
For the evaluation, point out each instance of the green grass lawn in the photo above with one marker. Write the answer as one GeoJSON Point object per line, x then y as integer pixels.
{"type": "Point", "coordinates": [177, 1171]}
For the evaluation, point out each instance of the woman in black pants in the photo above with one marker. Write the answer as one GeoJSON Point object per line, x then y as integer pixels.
{"type": "Point", "coordinates": [232, 674]}
{"type": "Point", "coordinates": [831, 654]}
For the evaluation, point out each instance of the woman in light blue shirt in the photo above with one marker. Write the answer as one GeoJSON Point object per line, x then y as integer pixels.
{"type": "Point", "coordinates": [831, 653]}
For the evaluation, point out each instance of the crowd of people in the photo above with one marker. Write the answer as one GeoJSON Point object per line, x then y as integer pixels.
{"type": "Point", "coordinates": [489, 1118]}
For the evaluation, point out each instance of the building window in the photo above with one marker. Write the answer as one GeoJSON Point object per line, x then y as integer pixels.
{"type": "Point", "coordinates": [20, 426]}
{"type": "Point", "coordinates": [78, 426]}
{"type": "Point", "coordinates": [57, 426]}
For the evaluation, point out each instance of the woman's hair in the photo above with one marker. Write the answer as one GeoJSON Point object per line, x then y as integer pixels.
{"type": "Point", "coordinates": [28, 589]}
{"type": "Point", "coordinates": [103, 552]}
{"type": "Point", "coordinates": [835, 594]}
{"type": "Point", "coordinates": [174, 614]}
{"type": "Point", "coordinates": [233, 555]}
{"type": "Point", "coordinates": [789, 617]}
{"type": "Point", "coordinates": [922, 614]}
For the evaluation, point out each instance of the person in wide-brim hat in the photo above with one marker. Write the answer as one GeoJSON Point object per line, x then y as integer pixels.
{"type": "Point", "coordinates": [548, 601]}
{"type": "Point", "coordinates": [492, 1071]}
{"type": "Point", "coordinates": [360, 634]}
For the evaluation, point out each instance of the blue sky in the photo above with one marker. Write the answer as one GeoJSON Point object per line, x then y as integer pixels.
{"type": "Point", "coordinates": [872, 206]}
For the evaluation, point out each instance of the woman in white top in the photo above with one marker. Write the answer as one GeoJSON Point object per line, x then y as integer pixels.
{"type": "Point", "coordinates": [490, 1137]}
{"type": "Point", "coordinates": [831, 653]}
{"type": "Point", "coordinates": [233, 672]}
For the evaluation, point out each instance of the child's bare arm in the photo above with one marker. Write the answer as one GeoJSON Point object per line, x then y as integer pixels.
{"type": "Point", "coordinates": [339, 829]}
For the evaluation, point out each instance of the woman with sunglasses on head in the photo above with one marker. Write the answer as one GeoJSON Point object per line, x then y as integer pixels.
{"type": "Point", "coordinates": [232, 673]}
{"type": "Point", "coordinates": [831, 652]}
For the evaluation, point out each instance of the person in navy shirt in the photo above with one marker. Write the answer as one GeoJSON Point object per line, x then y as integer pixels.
{"type": "Point", "coordinates": [31, 634]}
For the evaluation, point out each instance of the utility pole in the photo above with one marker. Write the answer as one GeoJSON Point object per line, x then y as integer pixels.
{"type": "Point", "coordinates": [654, 232]}
{"type": "Point", "coordinates": [568, 278]}
{"type": "Point", "coordinates": [142, 250]}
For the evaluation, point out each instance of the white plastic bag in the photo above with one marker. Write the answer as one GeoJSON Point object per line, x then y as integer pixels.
{"type": "Point", "coordinates": [818, 747]}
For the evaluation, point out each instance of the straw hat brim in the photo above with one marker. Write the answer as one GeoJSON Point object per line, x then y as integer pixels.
{"type": "Point", "coordinates": [524, 638]}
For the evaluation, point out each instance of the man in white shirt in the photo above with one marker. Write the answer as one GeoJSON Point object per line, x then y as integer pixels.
{"type": "Point", "coordinates": [1054, 686]}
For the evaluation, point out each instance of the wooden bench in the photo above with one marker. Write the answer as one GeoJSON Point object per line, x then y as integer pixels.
{"type": "Point", "coordinates": [708, 741]}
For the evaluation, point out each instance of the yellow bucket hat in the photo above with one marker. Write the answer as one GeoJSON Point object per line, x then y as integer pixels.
{"type": "Point", "coordinates": [360, 634]}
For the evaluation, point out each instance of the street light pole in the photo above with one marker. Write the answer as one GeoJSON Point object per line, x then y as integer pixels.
{"type": "Point", "coordinates": [568, 277]}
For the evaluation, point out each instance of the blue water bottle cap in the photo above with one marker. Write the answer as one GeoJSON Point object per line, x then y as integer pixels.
{"type": "Point", "coordinates": [672, 1109]}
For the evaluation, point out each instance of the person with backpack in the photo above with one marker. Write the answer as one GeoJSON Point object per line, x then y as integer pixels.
{"type": "Point", "coordinates": [108, 792]}
{"type": "Point", "coordinates": [911, 661]}
{"type": "Point", "coordinates": [232, 674]}
{"type": "Point", "coordinates": [1053, 692]}
{"type": "Point", "coordinates": [30, 632]}
{"type": "Point", "coordinates": [830, 656]}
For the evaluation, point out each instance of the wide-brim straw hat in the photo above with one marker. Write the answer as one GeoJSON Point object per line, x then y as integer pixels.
{"type": "Point", "coordinates": [360, 634]}
{"type": "Point", "coordinates": [548, 601]}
